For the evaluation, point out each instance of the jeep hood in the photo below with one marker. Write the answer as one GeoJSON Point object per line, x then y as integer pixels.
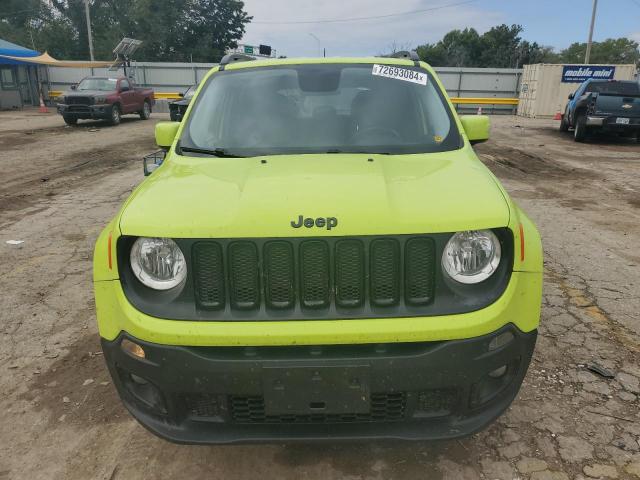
{"type": "Point", "coordinates": [203, 197]}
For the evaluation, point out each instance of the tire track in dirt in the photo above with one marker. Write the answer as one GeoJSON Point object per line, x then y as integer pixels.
{"type": "Point", "coordinates": [82, 168]}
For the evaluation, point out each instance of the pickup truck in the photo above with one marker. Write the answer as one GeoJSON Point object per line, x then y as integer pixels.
{"type": "Point", "coordinates": [178, 108]}
{"type": "Point", "coordinates": [605, 105]}
{"type": "Point", "coordinates": [106, 98]}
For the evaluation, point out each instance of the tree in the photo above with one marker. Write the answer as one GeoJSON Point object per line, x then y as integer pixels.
{"type": "Point", "coordinates": [499, 47]}
{"type": "Point", "coordinates": [171, 30]}
{"type": "Point", "coordinates": [611, 50]}
{"type": "Point", "coordinates": [458, 48]}
{"type": "Point", "coordinates": [21, 20]}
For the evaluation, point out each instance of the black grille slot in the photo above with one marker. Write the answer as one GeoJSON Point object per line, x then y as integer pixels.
{"type": "Point", "coordinates": [385, 272]}
{"type": "Point", "coordinates": [314, 274]}
{"type": "Point", "coordinates": [244, 275]}
{"type": "Point", "coordinates": [78, 100]}
{"type": "Point", "coordinates": [209, 275]}
{"type": "Point", "coordinates": [279, 274]}
{"type": "Point", "coordinates": [385, 407]}
{"type": "Point", "coordinates": [419, 271]}
{"type": "Point", "coordinates": [202, 404]}
{"type": "Point", "coordinates": [350, 273]}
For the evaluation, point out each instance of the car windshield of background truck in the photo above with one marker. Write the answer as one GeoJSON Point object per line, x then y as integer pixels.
{"type": "Point", "coordinates": [328, 108]}
{"type": "Point", "coordinates": [631, 89]}
{"type": "Point", "coordinates": [102, 84]}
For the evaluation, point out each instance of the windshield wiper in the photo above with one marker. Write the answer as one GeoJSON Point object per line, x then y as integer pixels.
{"type": "Point", "coordinates": [215, 152]}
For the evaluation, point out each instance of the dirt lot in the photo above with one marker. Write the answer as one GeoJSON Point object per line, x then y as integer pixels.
{"type": "Point", "coordinates": [61, 419]}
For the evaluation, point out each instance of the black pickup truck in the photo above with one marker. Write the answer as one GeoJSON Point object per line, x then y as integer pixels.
{"type": "Point", "coordinates": [604, 105]}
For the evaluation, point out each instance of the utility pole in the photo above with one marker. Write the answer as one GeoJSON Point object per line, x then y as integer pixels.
{"type": "Point", "coordinates": [593, 21]}
{"type": "Point", "coordinates": [89, 35]}
{"type": "Point", "coordinates": [317, 40]}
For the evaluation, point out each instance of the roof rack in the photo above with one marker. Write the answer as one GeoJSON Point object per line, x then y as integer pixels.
{"type": "Point", "coordinates": [234, 57]}
{"type": "Point", "coordinates": [412, 55]}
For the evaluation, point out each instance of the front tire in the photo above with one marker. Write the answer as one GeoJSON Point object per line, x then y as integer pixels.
{"type": "Point", "coordinates": [115, 115]}
{"type": "Point", "coordinates": [72, 121]}
{"type": "Point", "coordinates": [580, 131]}
{"type": "Point", "coordinates": [145, 113]}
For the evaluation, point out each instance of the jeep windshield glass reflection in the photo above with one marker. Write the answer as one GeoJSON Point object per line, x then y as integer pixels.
{"type": "Point", "coordinates": [326, 108]}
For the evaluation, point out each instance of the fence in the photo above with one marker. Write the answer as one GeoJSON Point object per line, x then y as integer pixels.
{"type": "Point", "coordinates": [460, 83]}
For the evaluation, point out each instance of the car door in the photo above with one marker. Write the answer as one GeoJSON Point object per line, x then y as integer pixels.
{"type": "Point", "coordinates": [571, 107]}
{"type": "Point", "coordinates": [127, 95]}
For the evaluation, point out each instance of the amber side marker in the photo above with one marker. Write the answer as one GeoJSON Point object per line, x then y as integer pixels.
{"type": "Point", "coordinates": [521, 243]}
{"type": "Point", "coordinates": [109, 251]}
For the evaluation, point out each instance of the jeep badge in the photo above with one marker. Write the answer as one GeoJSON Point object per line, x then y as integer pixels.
{"type": "Point", "coordinates": [319, 222]}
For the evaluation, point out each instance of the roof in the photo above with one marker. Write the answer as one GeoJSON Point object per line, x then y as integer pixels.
{"type": "Point", "coordinates": [46, 59]}
{"type": "Point", "coordinates": [11, 49]}
{"type": "Point", "coordinates": [317, 60]}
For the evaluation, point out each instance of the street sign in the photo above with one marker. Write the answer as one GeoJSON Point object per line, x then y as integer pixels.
{"type": "Point", "coordinates": [248, 49]}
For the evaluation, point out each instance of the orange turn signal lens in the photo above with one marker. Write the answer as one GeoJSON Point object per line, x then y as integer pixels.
{"type": "Point", "coordinates": [132, 348]}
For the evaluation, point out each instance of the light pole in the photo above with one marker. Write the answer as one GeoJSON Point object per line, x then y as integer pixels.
{"type": "Point", "coordinates": [318, 40]}
{"type": "Point", "coordinates": [593, 21]}
{"type": "Point", "coordinates": [89, 35]}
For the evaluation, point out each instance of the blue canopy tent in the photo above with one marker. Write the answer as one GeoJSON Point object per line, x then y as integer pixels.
{"type": "Point", "coordinates": [18, 79]}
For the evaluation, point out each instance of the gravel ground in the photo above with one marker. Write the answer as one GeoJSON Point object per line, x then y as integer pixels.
{"type": "Point", "coordinates": [60, 415]}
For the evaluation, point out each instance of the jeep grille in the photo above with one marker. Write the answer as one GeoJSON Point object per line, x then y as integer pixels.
{"type": "Point", "coordinates": [314, 274]}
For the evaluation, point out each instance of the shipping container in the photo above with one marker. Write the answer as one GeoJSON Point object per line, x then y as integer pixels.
{"type": "Point", "coordinates": [545, 87]}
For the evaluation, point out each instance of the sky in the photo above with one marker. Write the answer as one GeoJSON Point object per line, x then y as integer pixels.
{"type": "Point", "coordinates": [556, 23]}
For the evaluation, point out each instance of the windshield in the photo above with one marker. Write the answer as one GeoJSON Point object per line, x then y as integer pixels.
{"type": "Point", "coordinates": [103, 84]}
{"type": "Point", "coordinates": [615, 88]}
{"type": "Point", "coordinates": [327, 108]}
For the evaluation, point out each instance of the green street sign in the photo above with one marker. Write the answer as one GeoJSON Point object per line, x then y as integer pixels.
{"type": "Point", "coordinates": [248, 49]}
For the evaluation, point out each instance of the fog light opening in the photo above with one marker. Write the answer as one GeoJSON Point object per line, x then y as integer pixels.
{"type": "Point", "coordinates": [498, 372]}
{"type": "Point", "coordinates": [137, 379]}
{"type": "Point", "coordinates": [132, 348]}
{"type": "Point", "coordinates": [500, 341]}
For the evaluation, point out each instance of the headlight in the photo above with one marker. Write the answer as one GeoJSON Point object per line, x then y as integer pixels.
{"type": "Point", "coordinates": [472, 256]}
{"type": "Point", "coordinates": [158, 263]}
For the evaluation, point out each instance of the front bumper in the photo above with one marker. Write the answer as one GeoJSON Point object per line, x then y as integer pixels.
{"type": "Point", "coordinates": [96, 112]}
{"type": "Point", "coordinates": [418, 390]}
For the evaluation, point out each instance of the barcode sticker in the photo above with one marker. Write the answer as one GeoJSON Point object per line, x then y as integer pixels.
{"type": "Point", "coordinates": [400, 74]}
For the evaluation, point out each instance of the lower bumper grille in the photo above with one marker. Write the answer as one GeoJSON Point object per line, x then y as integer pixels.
{"type": "Point", "coordinates": [385, 407]}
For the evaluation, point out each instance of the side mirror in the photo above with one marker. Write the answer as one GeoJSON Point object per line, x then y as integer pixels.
{"type": "Point", "coordinates": [74, 87]}
{"type": "Point", "coordinates": [571, 96]}
{"type": "Point", "coordinates": [152, 161]}
{"type": "Point", "coordinates": [166, 133]}
{"type": "Point", "coordinates": [124, 89]}
{"type": "Point", "coordinates": [476, 127]}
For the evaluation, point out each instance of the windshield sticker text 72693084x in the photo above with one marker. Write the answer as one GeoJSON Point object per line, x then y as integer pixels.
{"type": "Point", "coordinates": [399, 73]}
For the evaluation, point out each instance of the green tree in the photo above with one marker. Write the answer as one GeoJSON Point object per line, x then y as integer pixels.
{"type": "Point", "coordinates": [499, 47]}
{"type": "Point", "coordinates": [171, 30]}
{"type": "Point", "coordinates": [611, 50]}
{"type": "Point", "coordinates": [22, 20]}
{"type": "Point", "coordinates": [458, 48]}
